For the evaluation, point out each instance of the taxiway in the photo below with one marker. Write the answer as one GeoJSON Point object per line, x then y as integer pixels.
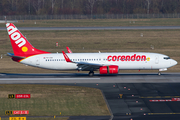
{"type": "Point", "coordinates": [128, 96]}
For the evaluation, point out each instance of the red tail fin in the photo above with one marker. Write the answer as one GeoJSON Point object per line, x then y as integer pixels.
{"type": "Point", "coordinates": [20, 44]}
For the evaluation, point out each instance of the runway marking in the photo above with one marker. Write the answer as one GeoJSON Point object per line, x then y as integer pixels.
{"type": "Point", "coordinates": [162, 113]}
{"type": "Point", "coordinates": [161, 97]}
{"type": "Point", "coordinates": [50, 79]}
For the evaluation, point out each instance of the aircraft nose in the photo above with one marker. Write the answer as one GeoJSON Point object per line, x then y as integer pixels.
{"type": "Point", "coordinates": [173, 62]}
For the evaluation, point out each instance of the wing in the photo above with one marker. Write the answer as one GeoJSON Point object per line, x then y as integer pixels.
{"type": "Point", "coordinates": [83, 66]}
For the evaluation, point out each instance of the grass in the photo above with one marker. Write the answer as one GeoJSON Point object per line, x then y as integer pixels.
{"type": "Point", "coordinates": [50, 100]}
{"type": "Point", "coordinates": [98, 22]}
{"type": "Point", "coordinates": [164, 41]}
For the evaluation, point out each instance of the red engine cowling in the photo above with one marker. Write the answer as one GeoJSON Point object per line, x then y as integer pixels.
{"type": "Point", "coordinates": [112, 69]}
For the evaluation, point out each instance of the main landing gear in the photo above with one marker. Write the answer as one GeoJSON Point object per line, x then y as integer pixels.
{"type": "Point", "coordinates": [91, 73]}
{"type": "Point", "coordinates": [159, 73]}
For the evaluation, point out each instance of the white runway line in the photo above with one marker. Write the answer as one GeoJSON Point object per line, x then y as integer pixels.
{"type": "Point", "coordinates": [24, 79]}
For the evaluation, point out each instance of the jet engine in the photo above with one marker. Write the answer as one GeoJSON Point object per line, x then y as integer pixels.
{"type": "Point", "coordinates": [111, 69]}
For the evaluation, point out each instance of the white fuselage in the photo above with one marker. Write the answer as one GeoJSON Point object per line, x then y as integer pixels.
{"type": "Point", "coordinates": [56, 61]}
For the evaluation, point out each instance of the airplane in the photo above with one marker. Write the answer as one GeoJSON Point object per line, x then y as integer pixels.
{"type": "Point", "coordinates": [106, 63]}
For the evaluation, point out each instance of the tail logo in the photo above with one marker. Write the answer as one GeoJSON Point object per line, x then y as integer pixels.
{"type": "Point", "coordinates": [24, 49]}
{"type": "Point", "coordinates": [16, 36]}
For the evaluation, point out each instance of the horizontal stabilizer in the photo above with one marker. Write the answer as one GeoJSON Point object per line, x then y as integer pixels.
{"type": "Point", "coordinates": [14, 56]}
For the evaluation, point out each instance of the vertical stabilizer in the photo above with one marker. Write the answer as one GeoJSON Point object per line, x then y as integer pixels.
{"type": "Point", "coordinates": [21, 46]}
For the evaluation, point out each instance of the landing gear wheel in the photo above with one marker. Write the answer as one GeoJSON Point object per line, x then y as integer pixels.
{"type": "Point", "coordinates": [159, 73]}
{"type": "Point", "coordinates": [91, 73]}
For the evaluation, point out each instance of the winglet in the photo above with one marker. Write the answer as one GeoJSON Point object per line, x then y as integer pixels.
{"type": "Point", "coordinates": [69, 50]}
{"type": "Point", "coordinates": [66, 57]}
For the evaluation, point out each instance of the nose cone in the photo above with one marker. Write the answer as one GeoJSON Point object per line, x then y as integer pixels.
{"type": "Point", "coordinates": [173, 62]}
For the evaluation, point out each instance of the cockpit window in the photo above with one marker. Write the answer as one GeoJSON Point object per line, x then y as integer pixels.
{"type": "Point", "coordinates": [166, 58]}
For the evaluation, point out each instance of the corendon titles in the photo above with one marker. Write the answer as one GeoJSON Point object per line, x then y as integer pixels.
{"type": "Point", "coordinates": [15, 35]}
{"type": "Point", "coordinates": [127, 58]}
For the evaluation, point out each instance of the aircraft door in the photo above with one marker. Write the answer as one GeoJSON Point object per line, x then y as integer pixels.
{"type": "Point", "coordinates": [37, 61]}
{"type": "Point", "coordinates": [156, 59]}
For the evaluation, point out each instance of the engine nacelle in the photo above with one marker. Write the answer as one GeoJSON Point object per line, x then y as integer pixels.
{"type": "Point", "coordinates": [112, 69]}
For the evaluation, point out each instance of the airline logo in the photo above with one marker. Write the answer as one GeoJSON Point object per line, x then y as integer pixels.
{"type": "Point", "coordinates": [148, 59]}
{"type": "Point", "coordinates": [16, 36]}
{"type": "Point", "coordinates": [127, 58]}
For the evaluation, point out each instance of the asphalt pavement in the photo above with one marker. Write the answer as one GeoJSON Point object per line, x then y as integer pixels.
{"type": "Point", "coordinates": [132, 101]}
{"type": "Point", "coordinates": [128, 98]}
{"type": "Point", "coordinates": [84, 78]}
